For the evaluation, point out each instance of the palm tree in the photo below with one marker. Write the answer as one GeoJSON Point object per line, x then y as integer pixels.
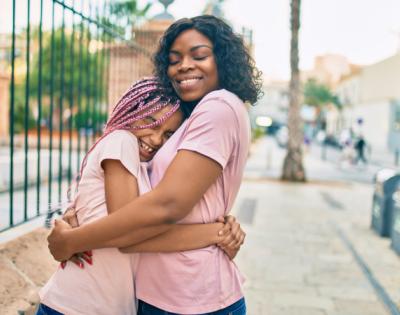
{"type": "Point", "coordinates": [293, 169]}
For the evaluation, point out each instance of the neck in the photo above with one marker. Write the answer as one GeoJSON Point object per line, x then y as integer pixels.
{"type": "Point", "coordinates": [188, 107]}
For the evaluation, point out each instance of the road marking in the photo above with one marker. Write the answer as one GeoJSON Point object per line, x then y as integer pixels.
{"type": "Point", "coordinates": [331, 201]}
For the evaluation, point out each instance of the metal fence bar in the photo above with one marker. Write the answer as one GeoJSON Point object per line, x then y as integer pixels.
{"type": "Point", "coordinates": [71, 98]}
{"type": "Point", "coordinates": [79, 117]}
{"type": "Point", "coordinates": [96, 113]}
{"type": "Point", "coordinates": [103, 94]}
{"type": "Point", "coordinates": [61, 107]}
{"type": "Point", "coordinates": [26, 111]}
{"type": "Point", "coordinates": [52, 61]}
{"type": "Point", "coordinates": [108, 62]}
{"type": "Point", "coordinates": [12, 109]}
{"type": "Point", "coordinates": [88, 85]}
{"type": "Point", "coordinates": [39, 117]}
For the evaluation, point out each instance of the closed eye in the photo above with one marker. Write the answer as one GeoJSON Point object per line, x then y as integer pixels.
{"type": "Point", "coordinates": [200, 58]}
{"type": "Point", "coordinates": [150, 118]}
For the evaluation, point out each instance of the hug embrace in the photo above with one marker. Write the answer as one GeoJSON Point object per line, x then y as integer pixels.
{"type": "Point", "coordinates": [150, 218]}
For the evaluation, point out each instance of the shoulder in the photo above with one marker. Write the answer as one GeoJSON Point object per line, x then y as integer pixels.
{"type": "Point", "coordinates": [221, 103]}
{"type": "Point", "coordinates": [223, 97]}
{"type": "Point", "coordinates": [118, 136]}
{"type": "Point", "coordinates": [117, 141]}
{"type": "Point", "coordinates": [120, 145]}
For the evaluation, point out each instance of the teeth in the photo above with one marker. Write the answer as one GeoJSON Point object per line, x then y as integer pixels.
{"type": "Point", "coordinates": [146, 147]}
{"type": "Point", "coordinates": [189, 81]}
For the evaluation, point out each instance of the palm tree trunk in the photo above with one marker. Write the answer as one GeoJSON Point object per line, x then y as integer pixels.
{"type": "Point", "coordinates": [293, 169]}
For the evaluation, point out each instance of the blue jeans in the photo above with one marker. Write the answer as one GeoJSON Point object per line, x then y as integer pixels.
{"type": "Point", "coordinates": [45, 310]}
{"type": "Point", "coordinates": [237, 308]}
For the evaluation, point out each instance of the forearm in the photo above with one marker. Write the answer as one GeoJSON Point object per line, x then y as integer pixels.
{"type": "Point", "coordinates": [138, 236]}
{"type": "Point", "coordinates": [180, 237]}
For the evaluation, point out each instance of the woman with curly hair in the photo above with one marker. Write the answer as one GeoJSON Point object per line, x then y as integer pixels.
{"type": "Point", "coordinates": [196, 175]}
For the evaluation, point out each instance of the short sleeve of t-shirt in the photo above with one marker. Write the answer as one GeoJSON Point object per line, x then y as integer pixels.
{"type": "Point", "coordinates": [211, 130]}
{"type": "Point", "coordinates": [120, 145]}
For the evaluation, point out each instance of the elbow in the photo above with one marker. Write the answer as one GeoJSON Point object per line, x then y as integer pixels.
{"type": "Point", "coordinates": [174, 212]}
{"type": "Point", "coordinates": [172, 205]}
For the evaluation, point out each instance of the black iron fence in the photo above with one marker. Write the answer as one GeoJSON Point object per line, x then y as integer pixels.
{"type": "Point", "coordinates": [62, 64]}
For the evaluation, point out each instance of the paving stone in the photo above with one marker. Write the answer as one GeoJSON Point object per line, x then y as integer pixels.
{"type": "Point", "coordinates": [354, 307]}
{"type": "Point", "coordinates": [302, 301]}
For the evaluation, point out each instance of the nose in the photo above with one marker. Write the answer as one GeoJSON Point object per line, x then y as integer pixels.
{"type": "Point", "coordinates": [157, 139]}
{"type": "Point", "coordinates": [186, 64]}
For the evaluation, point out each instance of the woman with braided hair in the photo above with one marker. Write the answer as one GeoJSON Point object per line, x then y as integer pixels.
{"type": "Point", "coordinates": [111, 175]}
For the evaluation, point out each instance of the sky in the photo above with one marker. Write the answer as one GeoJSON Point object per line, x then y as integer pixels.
{"type": "Point", "coordinates": [365, 31]}
{"type": "Point", "coordinates": [362, 30]}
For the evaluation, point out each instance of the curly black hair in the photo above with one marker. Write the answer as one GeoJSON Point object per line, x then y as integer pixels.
{"type": "Point", "coordinates": [237, 72]}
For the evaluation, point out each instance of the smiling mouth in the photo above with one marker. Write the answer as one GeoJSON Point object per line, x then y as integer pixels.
{"type": "Point", "coordinates": [187, 83]}
{"type": "Point", "coordinates": [148, 150]}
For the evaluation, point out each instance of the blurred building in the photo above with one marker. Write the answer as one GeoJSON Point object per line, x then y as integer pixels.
{"type": "Point", "coordinates": [328, 69]}
{"type": "Point", "coordinates": [128, 65]}
{"type": "Point", "coordinates": [371, 99]}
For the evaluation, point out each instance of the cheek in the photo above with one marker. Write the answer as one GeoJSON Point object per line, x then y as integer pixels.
{"type": "Point", "coordinates": [213, 70]}
{"type": "Point", "coordinates": [170, 72]}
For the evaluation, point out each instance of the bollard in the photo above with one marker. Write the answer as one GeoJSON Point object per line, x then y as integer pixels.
{"type": "Point", "coordinates": [396, 157]}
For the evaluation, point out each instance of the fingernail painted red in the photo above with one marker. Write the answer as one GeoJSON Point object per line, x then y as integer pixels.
{"type": "Point", "coordinates": [88, 260]}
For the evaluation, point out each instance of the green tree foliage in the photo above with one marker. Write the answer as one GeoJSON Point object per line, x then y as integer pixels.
{"type": "Point", "coordinates": [126, 14]}
{"type": "Point", "coordinates": [19, 110]}
{"type": "Point", "coordinates": [317, 94]}
{"type": "Point", "coordinates": [83, 69]}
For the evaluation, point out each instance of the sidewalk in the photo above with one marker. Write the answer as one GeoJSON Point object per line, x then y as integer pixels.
{"type": "Point", "coordinates": [309, 249]}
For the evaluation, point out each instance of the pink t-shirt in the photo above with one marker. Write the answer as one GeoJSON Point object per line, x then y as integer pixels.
{"type": "Point", "coordinates": [106, 287]}
{"type": "Point", "coordinates": [203, 280]}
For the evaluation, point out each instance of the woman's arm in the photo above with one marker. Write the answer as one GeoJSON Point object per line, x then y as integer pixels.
{"type": "Point", "coordinates": [187, 237]}
{"type": "Point", "coordinates": [180, 237]}
{"type": "Point", "coordinates": [184, 183]}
